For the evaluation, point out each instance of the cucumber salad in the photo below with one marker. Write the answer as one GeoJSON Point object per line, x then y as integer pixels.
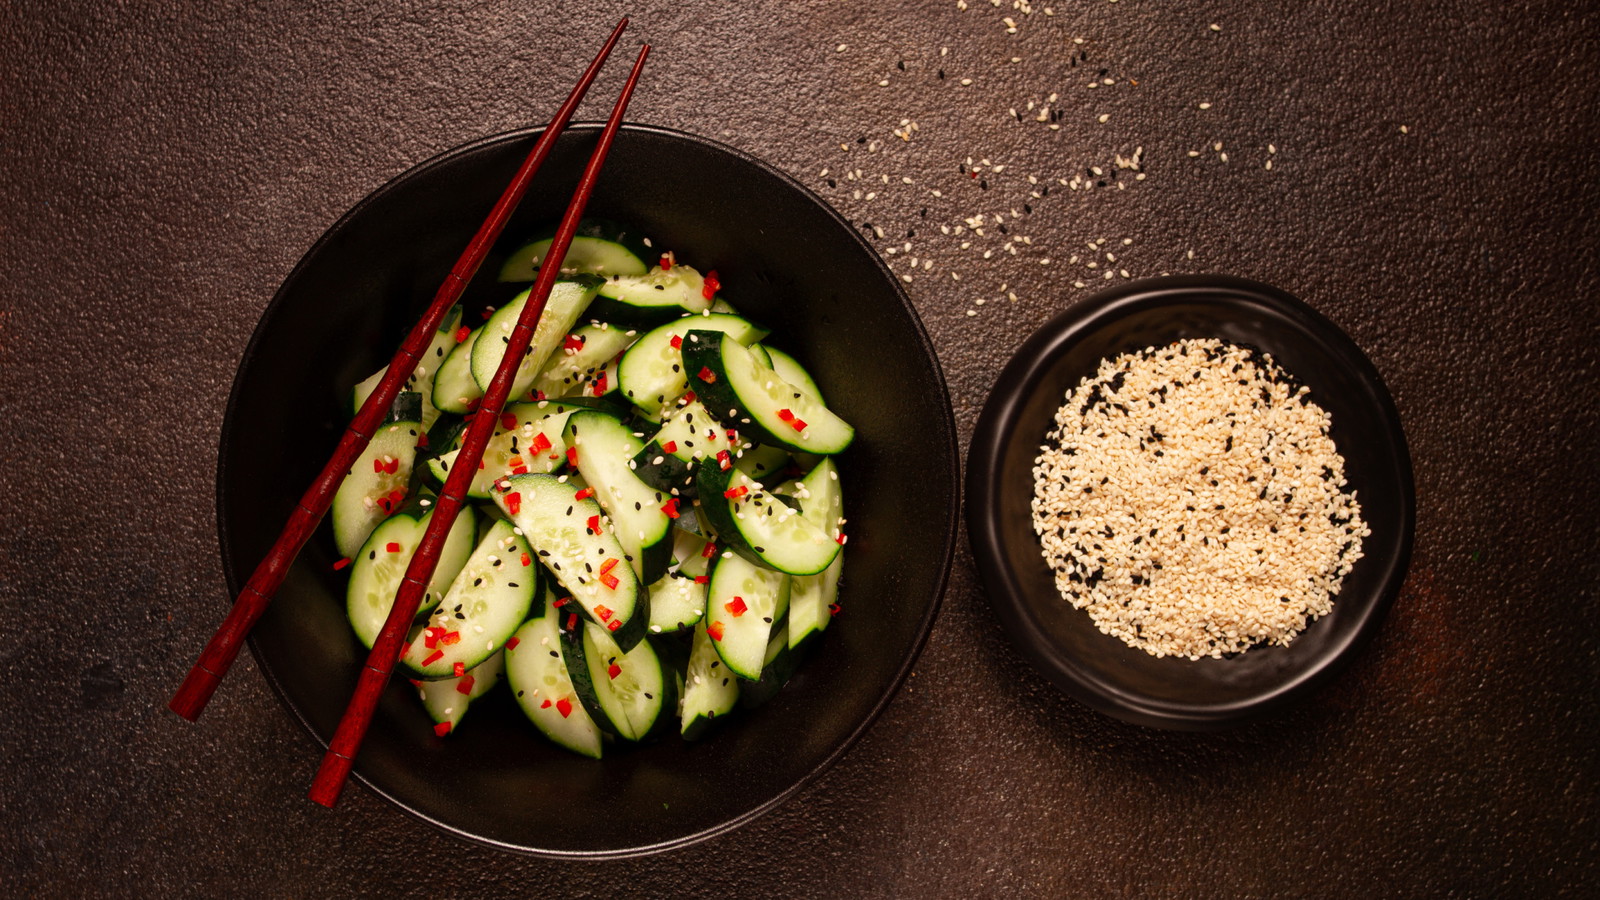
{"type": "Point", "coordinates": [656, 530]}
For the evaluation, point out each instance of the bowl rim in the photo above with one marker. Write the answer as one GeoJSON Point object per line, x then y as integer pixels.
{"type": "Point", "coordinates": [950, 530]}
{"type": "Point", "coordinates": [999, 419]}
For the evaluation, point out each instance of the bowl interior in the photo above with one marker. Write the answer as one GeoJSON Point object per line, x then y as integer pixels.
{"type": "Point", "coordinates": [785, 260]}
{"type": "Point", "coordinates": [1062, 641]}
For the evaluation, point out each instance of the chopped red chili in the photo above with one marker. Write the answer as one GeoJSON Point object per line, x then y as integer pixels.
{"type": "Point", "coordinates": [453, 637]}
{"type": "Point", "coordinates": [584, 493]}
{"type": "Point", "coordinates": [600, 383]}
{"type": "Point", "coordinates": [392, 547]}
{"type": "Point", "coordinates": [377, 466]}
{"type": "Point", "coordinates": [545, 704]}
{"type": "Point", "coordinates": [561, 602]}
{"type": "Point", "coordinates": [714, 631]}
{"type": "Point", "coordinates": [608, 565]}
{"type": "Point", "coordinates": [564, 706]}
{"type": "Point", "coordinates": [670, 446]}
{"type": "Point", "coordinates": [604, 612]}
{"type": "Point", "coordinates": [441, 729]}
{"type": "Point", "coordinates": [594, 524]}
{"type": "Point", "coordinates": [615, 624]}
{"type": "Point", "coordinates": [736, 492]}
{"type": "Point", "coordinates": [705, 374]}
{"type": "Point", "coordinates": [610, 581]}
{"type": "Point", "coordinates": [341, 564]}
{"type": "Point", "coordinates": [670, 508]}
{"type": "Point", "coordinates": [461, 333]}
{"type": "Point", "coordinates": [710, 550]}
{"type": "Point", "coordinates": [514, 502]}
{"type": "Point", "coordinates": [786, 415]}
{"type": "Point", "coordinates": [702, 579]}
{"type": "Point", "coordinates": [613, 670]}
{"type": "Point", "coordinates": [464, 686]}
{"type": "Point", "coordinates": [527, 560]}
{"type": "Point", "coordinates": [540, 443]}
{"type": "Point", "coordinates": [512, 644]}
{"type": "Point", "coordinates": [459, 669]}
{"type": "Point", "coordinates": [799, 424]}
{"type": "Point", "coordinates": [573, 343]}
{"type": "Point", "coordinates": [572, 455]}
{"type": "Point", "coordinates": [433, 657]}
{"type": "Point", "coordinates": [735, 607]}
{"type": "Point", "coordinates": [676, 342]}
{"type": "Point", "coordinates": [666, 262]}
{"type": "Point", "coordinates": [572, 621]}
{"type": "Point", "coordinates": [688, 397]}
{"type": "Point", "coordinates": [725, 460]}
{"type": "Point", "coordinates": [713, 283]}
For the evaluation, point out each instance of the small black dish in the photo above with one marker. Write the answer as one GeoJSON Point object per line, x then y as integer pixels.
{"type": "Point", "coordinates": [786, 260]}
{"type": "Point", "coordinates": [1062, 642]}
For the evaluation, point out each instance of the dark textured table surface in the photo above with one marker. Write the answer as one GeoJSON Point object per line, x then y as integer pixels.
{"type": "Point", "coordinates": [1432, 186]}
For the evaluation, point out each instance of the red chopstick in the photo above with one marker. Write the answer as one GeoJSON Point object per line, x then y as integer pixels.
{"type": "Point", "coordinates": [220, 652]}
{"type": "Point", "coordinates": [386, 650]}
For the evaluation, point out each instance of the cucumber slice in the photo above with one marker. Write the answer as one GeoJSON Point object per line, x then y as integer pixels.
{"type": "Point", "coordinates": [759, 526]}
{"type": "Point", "coordinates": [605, 448]}
{"type": "Point", "coordinates": [742, 603]}
{"type": "Point", "coordinates": [813, 596]}
{"type": "Point", "coordinates": [652, 374]}
{"type": "Point", "coordinates": [790, 370]}
{"type": "Point", "coordinates": [583, 354]}
{"type": "Point", "coordinates": [627, 694]}
{"type": "Point", "coordinates": [760, 460]}
{"type": "Point", "coordinates": [537, 674]}
{"type": "Point", "coordinates": [660, 295]}
{"type": "Point", "coordinates": [532, 443]}
{"type": "Point", "coordinates": [454, 391]}
{"type": "Point", "coordinates": [587, 255]}
{"type": "Point", "coordinates": [447, 701]}
{"type": "Point", "coordinates": [778, 665]}
{"type": "Point", "coordinates": [568, 300]}
{"type": "Point", "coordinates": [381, 564]}
{"type": "Point", "coordinates": [577, 544]}
{"type": "Point", "coordinates": [752, 398]}
{"type": "Point", "coordinates": [688, 434]}
{"type": "Point", "coordinates": [487, 601]}
{"type": "Point", "coordinates": [709, 689]}
{"type": "Point", "coordinates": [375, 486]}
{"type": "Point", "coordinates": [677, 602]}
{"type": "Point", "coordinates": [422, 377]}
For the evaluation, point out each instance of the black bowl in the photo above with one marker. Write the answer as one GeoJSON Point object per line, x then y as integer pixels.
{"type": "Point", "coordinates": [1062, 642]}
{"type": "Point", "coordinates": [786, 260]}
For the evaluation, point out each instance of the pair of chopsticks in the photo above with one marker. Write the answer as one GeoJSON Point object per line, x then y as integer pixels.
{"type": "Point", "coordinates": [220, 652]}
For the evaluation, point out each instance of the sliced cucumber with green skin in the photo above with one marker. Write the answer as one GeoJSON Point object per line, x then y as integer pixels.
{"type": "Point", "coordinates": [746, 395]}
{"type": "Point", "coordinates": [454, 391]}
{"type": "Point", "coordinates": [628, 694]}
{"type": "Point", "coordinates": [778, 666]}
{"type": "Point", "coordinates": [532, 443]}
{"type": "Point", "coordinates": [584, 352]}
{"type": "Point", "coordinates": [813, 597]}
{"type": "Point", "coordinates": [790, 370]}
{"type": "Point", "coordinates": [659, 295]}
{"type": "Point", "coordinates": [380, 565]}
{"type": "Point", "coordinates": [447, 701]}
{"type": "Point", "coordinates": [488, 599]}
{"type": "Point", "coordinates": [677, 601]}
{"type": "Point", "coordinates": [652, 374]}
{"type": "Point", "coordinates": [537, 673]}
{"type": "Point", "coordinates": [605, 449]}
{"type": "Point", "coordinates": [760, 460]}
{"type": "Point", "coordinates": [743, 601]}
{"type": "Point", "coordinates": [421, 378]}
{"type": "Point", "coordinates": [759, 526]}
{"type": "Point", "coordinates": [688, 434]}
{"type": "Point", "coordinates": [587, 255]}
{"type": "Point", "coordinates": [710, 689]}
{"type": "Point", "coordinates": [575, 541]}
{"type": "Point", "coordinates": [375, 486]}
{"type": "Point", "coordinates": [568, 300]}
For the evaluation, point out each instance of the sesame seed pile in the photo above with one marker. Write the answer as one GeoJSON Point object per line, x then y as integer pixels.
{"type": "Point", "coordinates": [1191, 500]}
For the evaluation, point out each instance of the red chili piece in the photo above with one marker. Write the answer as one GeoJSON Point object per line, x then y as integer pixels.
{"type": "Point", "coordinates": [564, 706]}
{"type": "Point", "coordinates": [799, 424]}
{"type": "Point", "coordinates": [676, 342]}
{"type": "Point", "coordinates": [613, 670]}
{"type": "Point", "coordinates": [615, 624]}
{"type": "Point", "coordinates": [527, 560]}
{"type": "Point", "coordinates": [736, 607]}
{"type": "Point", "coordinates": [392, 547]}
{"type": "Point", "coordinates": [461, 333]}
{"type": "Point", "coordinates": [670, 508]}
{"type": "Point", "coordinates": [786, 415]}
{"type": "Point", "coordinates": [735, 493]}
{"type": "Point", "coordinates": [666, 262]}
{"type": "Point", "coordinates": [545, 705]}
{"type": "Point", "coordinates": [433, 657]}
{"type": "Point", "coordinates": [713, 283]}
{"type": "Point", "coordinates": [608, 565]}
{"type": "Point", "coordinates": [600, 383]}
{"type": "Point", "coordinates": [464, 686]}
{"type": "Point", "coordinates": [584, 494]}
{"type": "Point", "coordinates": [705, 374]}
{"type": "Point", "coordinates": [594, 524]}
{"type": "Point", "coordinates": [512, 644]}
{"type": "Point", "coordinates": [441, 729]}
{"type": "Point", "coordinates": [572, 455]}
{"type": "Point", "coordinates": [453, 637]}
{"type": "Point", "coordinates": [610, 581]}
{"type": "Point", "coordinates": [514, 502]}
{"type": "Point", "coordinates": [603, 612]}
{"type": "Point", "coordinates": [508, 421]}
{"type": "Point", "coordinates": [702, 579]}
{"type": "Point", "coordinates": [714, 631]}
{"type": "Point", "coordinates": [573, 343]}
{"type": "Point", "coordinates": [670, 446]}
{"type": "Point", "coordinates": [341, 564]}
{"type": "Point", "coordinates": [460, 669]}
{"type": "Point", "coordinates": [709, 551]}
{"type": "Point", "coordinates": [725, 460]}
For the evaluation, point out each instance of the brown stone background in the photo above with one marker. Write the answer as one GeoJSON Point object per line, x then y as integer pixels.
{"type": "Point", "coordinates": [1433, 192]}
